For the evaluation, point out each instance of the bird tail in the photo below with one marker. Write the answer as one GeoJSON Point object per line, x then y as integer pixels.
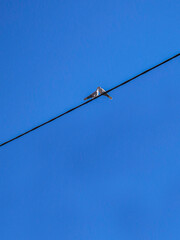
{"type": "Point", "coordinates": [90, 96]}
{"type": "Point", "coordinates": [110, 97]}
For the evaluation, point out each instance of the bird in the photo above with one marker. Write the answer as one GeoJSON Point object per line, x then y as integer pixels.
{"type": "Point", "coordinates": [98, 91]}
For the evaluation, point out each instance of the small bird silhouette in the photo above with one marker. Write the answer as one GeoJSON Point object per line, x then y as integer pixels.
{"type": "Point", "coordinates": [98, 91]}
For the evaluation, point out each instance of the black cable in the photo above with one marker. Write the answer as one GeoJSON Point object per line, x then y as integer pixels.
{"type": "Point", "coordinates": [72, 109]}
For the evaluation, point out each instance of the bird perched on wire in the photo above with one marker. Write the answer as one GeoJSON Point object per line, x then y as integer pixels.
{"type": "Point", "coordinates": [98, 91]}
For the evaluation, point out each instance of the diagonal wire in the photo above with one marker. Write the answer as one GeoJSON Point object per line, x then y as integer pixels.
{"type": "Point", "coordinates": [72, 109]}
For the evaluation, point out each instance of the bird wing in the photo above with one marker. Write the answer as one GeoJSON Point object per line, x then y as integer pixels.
{"type": "Point", "coordinates": [101, 91]}
{"type": "Point", "coordinates": [92, 95]}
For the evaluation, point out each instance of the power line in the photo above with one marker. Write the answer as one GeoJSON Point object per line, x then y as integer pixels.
{"type": "Point", "coordinates": [72, 109]}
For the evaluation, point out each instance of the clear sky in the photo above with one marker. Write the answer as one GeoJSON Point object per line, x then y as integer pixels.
{"type": "Point", "coordinates": [109, 170]}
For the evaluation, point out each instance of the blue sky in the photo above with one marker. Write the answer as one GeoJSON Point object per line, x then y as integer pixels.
{"type": "Point", "coordinates": [109, 170]}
